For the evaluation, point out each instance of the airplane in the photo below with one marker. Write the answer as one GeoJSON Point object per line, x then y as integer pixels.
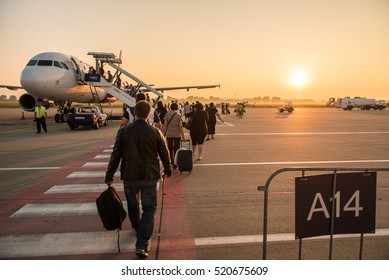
{"type": "Point", "coordinates": [63, 79]}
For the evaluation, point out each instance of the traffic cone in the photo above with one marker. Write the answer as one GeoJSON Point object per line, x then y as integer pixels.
{"type": "Point", "coordinates": [23, 118]}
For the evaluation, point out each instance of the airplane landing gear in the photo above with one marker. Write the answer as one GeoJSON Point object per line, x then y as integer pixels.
{"type": "Point", "coordinates": [62, 112]}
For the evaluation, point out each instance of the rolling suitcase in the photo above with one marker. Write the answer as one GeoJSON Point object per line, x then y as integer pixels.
{"type": "Point", "coordinates": [184, 159]}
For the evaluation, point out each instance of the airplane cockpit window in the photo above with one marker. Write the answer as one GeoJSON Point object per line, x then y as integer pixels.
{"type": "Point", "coordinates": [32, 62]}
{"type": "Point", "coordinates": [57, 64]}
{"type": "Point", "coordinates": [45, 63]}
{"type": "Point", "coordinates": [64, 66]}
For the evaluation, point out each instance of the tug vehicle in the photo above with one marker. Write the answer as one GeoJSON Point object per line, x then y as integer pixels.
{"type": "Point", "coordinates": [287, 107]}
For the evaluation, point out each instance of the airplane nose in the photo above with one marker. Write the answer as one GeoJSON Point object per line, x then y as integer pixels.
{"type": "Point", "coordinates": [31, 77]}
{"type": "Point", "coordinates": [36, 79]}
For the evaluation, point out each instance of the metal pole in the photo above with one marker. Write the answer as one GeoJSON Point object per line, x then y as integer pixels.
{"type": "Point", "coordinates": [332, 213]}
{"type": "Point", "coordinates": [300, 247]}
{"type": "Point", "coordinates": [160, 218]}
{"type": "Point", "coordinates": [265, 205]}
{"type": "Point", "coordinates": [361, 247]}
{"type": "Point", "coordinates": [301, 240]}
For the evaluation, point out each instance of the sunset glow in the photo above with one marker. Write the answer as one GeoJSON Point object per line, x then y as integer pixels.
{"type": "Point", "coordinates": [298, 78]}
{"type": "Point", "coordinates": [252, 48]}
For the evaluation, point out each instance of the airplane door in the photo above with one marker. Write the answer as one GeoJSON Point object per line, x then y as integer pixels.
{"type": "Point", "coordinates": [80, 68]}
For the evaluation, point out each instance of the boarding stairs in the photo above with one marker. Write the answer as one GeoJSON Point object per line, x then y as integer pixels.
{"type": "Point", "coordinates": [124, 95]}
{"type": "Point", "coordinates": [96, 99]}
{"type": "Point", "coordinates": [114, 91]}
{"type": "Point", "coordinates": [330, 102]}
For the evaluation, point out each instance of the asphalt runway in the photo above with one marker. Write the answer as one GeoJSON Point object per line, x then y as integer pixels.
{"type": "Point", "coordinates": [49, 183]}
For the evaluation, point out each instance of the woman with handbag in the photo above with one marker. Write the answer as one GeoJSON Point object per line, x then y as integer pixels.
{"type": "Point", "coordinates": [212, 114]}
{"type": "Point", "coordinates": [198, 129]}
{"type": "Point", "coordinates": [173, 131]}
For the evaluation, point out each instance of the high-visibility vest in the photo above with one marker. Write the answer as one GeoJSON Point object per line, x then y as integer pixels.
{"type": "Point", "coordinates": [39, 111]}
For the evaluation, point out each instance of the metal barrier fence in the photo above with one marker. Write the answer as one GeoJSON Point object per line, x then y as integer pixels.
{"type": "Point", "coordinates": [334, 171]}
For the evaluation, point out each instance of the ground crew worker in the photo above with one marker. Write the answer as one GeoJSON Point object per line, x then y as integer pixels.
{"type": "Point", "coordinates": [39, 117]}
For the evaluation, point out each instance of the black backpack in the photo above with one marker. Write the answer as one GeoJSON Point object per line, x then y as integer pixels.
{"type": "Point", "coordinates": [111, 211]}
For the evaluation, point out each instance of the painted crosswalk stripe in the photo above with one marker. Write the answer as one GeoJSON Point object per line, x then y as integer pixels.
{"type": "Point", "coordinates": [90, 174]}
{"type": "Point", "coordinates": [56, 209]}
{"type": "Point", "coordinates": [108, 151]}
{"type": "Point", "coordinates": [96, 164]}
{"type": "Point", "coordinates": [82, 188]}
{"type": "Point", "coordinates": [102, 156]}
{"type": "Point", "coordinates": [73, 243]}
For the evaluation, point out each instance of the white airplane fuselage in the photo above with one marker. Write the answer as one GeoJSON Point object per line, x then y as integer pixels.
{"type": "Point", "coordinates": [55, 76]}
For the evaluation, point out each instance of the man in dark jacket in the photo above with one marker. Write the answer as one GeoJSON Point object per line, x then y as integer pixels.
{"type": "Point", "coordinates": [140, 146]}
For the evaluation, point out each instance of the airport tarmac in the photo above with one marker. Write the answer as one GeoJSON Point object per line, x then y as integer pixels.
{"type": "Point", "coordinates": [49, 183]}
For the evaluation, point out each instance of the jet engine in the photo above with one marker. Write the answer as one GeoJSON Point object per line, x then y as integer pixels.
{"type": "Point", "coordinates": [28, 102]}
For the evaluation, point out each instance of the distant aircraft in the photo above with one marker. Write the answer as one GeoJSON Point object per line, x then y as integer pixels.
{"type": "Point", "coordinates": [64, 79]}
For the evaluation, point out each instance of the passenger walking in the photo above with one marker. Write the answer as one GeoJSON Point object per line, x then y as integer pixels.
{"type": "Point", "coordinates": [199, 129]}
{"type": "Point", "coordinates": [187, 109]}
{"type": "Point", "coordinates": [240, 109]}
{"type": "Point", "coordinates": [138, 149]}
{"type": "Point", "coordinates": [129, 116]}
{"type": "Point", "coordinates": [109, 76]}
{"type": "Point", "coordinates": [212, 114]}
{"type": "Point", "coordinates": [174, 131]}
{"type": "Point", "coordinates": [161, 111]}
{"type": "Point", "coordinates": [118, 82]}
{"type": "Point", "coordinates": [40, 115]}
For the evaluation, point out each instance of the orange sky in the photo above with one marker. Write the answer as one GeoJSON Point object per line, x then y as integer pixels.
{"type": "Point", "coordinates": [250, 47]}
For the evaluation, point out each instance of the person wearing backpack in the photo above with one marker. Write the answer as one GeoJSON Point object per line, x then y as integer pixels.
{"type": "Point", "coordinates": [139, 146]}
{"type": "Point", "coordinates": [129, 116]}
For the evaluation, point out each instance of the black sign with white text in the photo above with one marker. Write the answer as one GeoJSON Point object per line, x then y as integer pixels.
{"type": "Point", "coordinates": [355, 204]}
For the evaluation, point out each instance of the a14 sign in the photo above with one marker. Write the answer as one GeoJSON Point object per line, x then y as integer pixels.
{"type": "Point", "coordinates": [354, 204]}
{"type": "Point", "coordinates": [318, 205]}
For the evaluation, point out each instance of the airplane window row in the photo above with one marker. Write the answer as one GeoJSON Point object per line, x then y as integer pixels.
{"type": "Point", "coordinates": [41, 62]}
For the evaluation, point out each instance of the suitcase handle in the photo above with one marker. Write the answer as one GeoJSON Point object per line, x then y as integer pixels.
{"type": "Point", "coordinates": [189, 146]}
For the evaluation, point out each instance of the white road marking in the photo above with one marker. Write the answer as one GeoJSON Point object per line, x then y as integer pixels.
{"type": "Point", "coordinates": [81, 188]}
{"type": "Point", "coordinates": [102, 156]}
{"type": "Point", "coordinates": [100, 242]}
{"type": "Point", "coordinates": [96, 164]}
{"type": "Point", "coordinates": [292, 162]}
{"type": "Point", "coordinates": [280, 237]}
{"type": "Point", "coordinates": [303, 133]}
{"type": "Point", "coordinates": [55, 209]}
{"type": "Point", "coordinates": [29, 168]}
{"type": "Point", "coordinates": [90, 174]}
{"type": "Point", "coordinates": [108, 151]}
{"type": "Point", "coordinates": [227, 123]}
{"type": "Point", "coordinates": [73, 243]}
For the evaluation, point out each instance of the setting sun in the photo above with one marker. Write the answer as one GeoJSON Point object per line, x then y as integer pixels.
{"type": "Point", "coordinates": [298, 78]}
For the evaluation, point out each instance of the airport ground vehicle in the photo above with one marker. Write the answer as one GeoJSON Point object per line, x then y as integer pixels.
{"type": "Point", "coordinates": [87, 116]}
{"type": "Point", "coordinates": [287, 107]}
{"type": "Point", "coordinates": [348, 103]}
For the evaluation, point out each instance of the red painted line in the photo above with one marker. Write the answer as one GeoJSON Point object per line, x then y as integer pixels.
{"type": "Point", "coordinates": [177, 240]}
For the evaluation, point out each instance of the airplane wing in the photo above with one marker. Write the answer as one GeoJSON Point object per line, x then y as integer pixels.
{"type": "Point", "coordinates": [11, 87]}
{"type": "Point", "coordinates": [162, 89]}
